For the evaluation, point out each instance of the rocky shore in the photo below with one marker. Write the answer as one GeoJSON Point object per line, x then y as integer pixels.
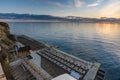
{"type": "Point", "coordinates": [6, 44]}
{"type": "Point", "coordinates": [5, 40]}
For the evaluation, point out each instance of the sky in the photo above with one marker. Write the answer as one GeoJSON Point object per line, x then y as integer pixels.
{"type": "Point", "coordinates": [81, 8]}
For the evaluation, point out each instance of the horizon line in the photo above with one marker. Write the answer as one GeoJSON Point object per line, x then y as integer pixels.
{"type": "Point", "coordinates": [58, 16]}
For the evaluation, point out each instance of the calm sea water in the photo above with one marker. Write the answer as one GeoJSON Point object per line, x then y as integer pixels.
{"type": "Point", "coordinates": [89, 41]}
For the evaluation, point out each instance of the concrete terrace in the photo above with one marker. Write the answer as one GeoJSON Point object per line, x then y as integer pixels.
{"type": "Point", "coordinates": [56, 62]}
{"type": "Point", "coordinates": [32, 43]}
{"type": "Point", "coordinates": [25, 69]}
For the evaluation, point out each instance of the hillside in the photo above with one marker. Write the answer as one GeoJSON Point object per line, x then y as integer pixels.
{"type": "Point", "coordinates": [30, 17]}
{"type": "Point", "coordinates": [6, 45]}
{"type": "Point", "coordinates": [5, 42]}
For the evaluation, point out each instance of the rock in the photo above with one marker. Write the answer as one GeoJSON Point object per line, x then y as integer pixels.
{"type": "Point", "coordinates": [6, 27]}
{"type": "Point", "coordinates": [5, 42]}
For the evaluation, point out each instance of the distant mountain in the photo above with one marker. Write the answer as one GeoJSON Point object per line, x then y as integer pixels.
{"type": "Point", "coordinates": [27, 16]}
{"type": "Point", "coordinates": [15, 16]}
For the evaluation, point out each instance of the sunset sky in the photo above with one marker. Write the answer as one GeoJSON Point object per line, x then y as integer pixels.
{"type": "Point", "coordinates": [81, 8]}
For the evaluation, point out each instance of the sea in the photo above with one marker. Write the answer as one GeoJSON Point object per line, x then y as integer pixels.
{"type": "Point", "coordinates": [93, 42]}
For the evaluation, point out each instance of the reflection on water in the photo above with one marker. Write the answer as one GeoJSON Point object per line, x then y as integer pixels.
{"type": "Point", "coordinates": [92, 42]}
{"type": "Point", "coordinates": [107, 30]}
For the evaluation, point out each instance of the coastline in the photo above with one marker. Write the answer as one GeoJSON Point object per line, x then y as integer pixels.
{"type": "Point", "coordinates": [18, 20]}
{"type": "Point", "coordinates": [58, 62]}
{"type": "Point", "coordinates": [53, 21]}
{"type": "Point", "coordinates": [39, 47]}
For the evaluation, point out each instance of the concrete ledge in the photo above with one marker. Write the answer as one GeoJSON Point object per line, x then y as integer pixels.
{"type": "Point", "coordinates": [91, 74]}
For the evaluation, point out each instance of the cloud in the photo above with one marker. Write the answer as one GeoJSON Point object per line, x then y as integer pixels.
{"type": "Point", "coordinates": [58, 4]}
{"type": "Point", "coordinates": [96, 3]}
{"type": "Point", "coordinates": [78, 3]}
{"type": "Point", "coordinates": [69, 3]}
{"type": "Point", "coordinates": [111, 9]}
{"type": "Point", "coordinates": [93, 5]}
